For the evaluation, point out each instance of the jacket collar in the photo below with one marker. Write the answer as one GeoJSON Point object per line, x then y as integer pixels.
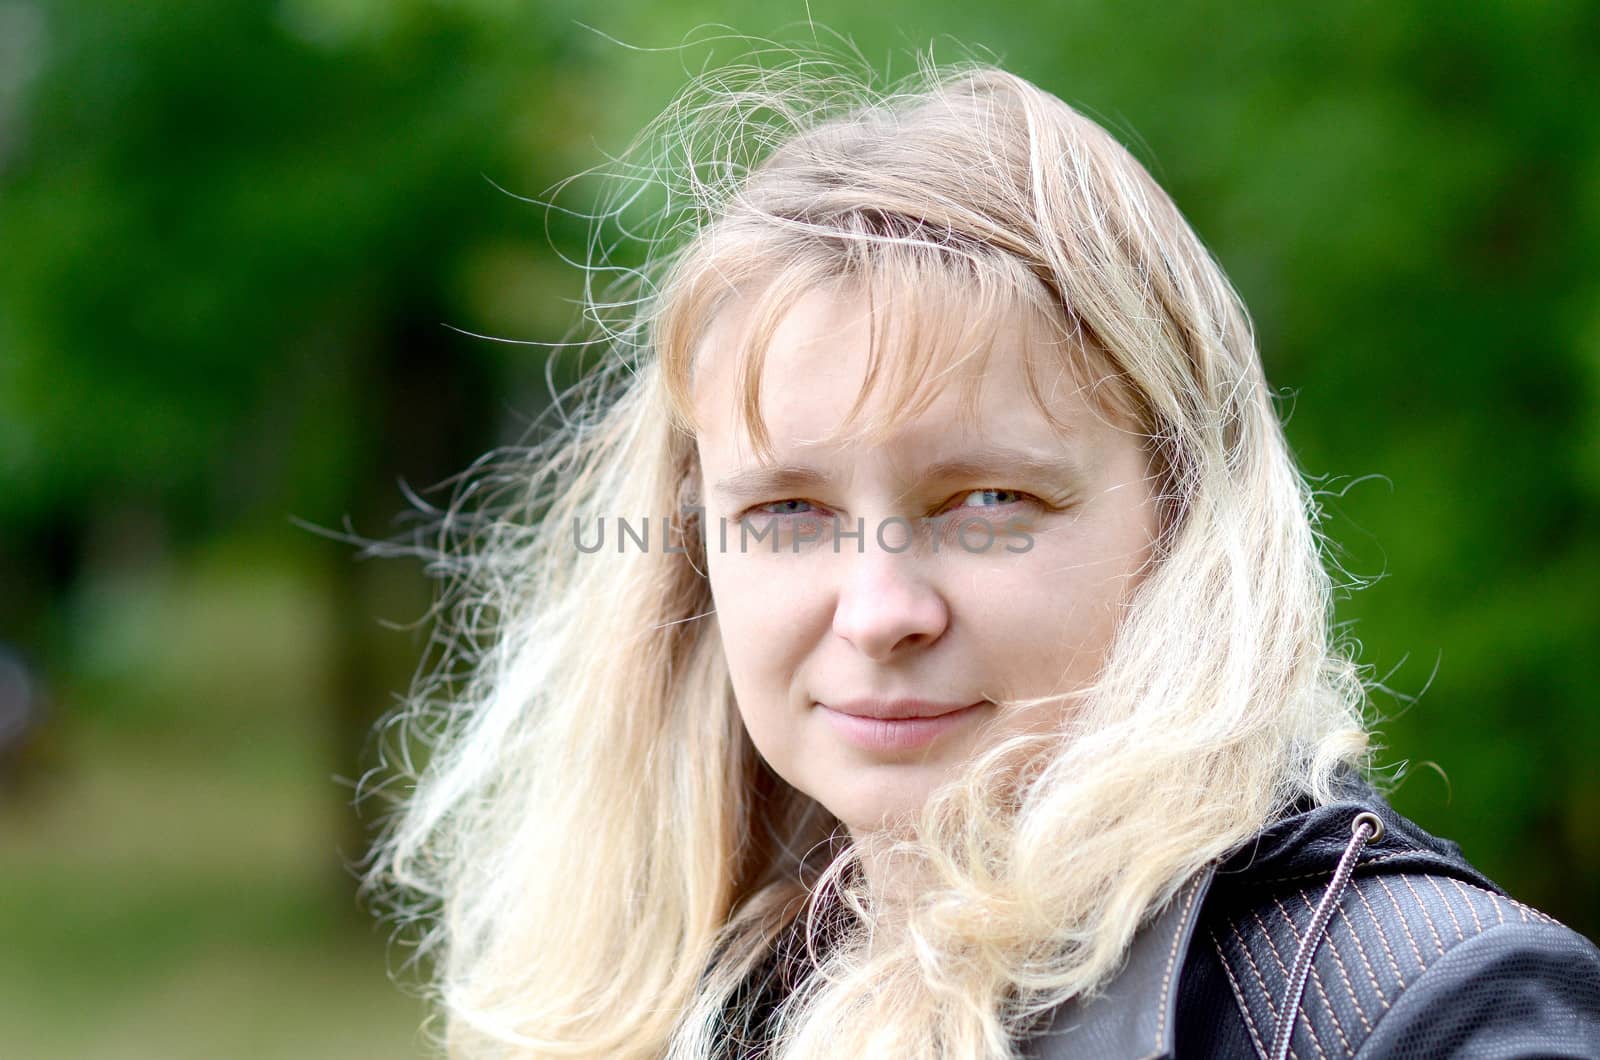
{"type": "Point", "coordinates": [1137, 1014]}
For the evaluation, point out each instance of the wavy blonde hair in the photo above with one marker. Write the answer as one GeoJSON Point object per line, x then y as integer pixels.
{"type": "Point", "coordinates": [598, 860]}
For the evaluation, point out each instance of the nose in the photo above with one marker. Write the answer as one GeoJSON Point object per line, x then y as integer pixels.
{"type": "Point", "coordinates": [886, 606]}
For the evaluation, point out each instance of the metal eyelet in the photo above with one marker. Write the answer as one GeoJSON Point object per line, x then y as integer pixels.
{"type": "Point", "coordinates": [1372, 820]}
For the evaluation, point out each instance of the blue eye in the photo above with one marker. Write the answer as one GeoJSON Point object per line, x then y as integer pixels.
{"type": "Point", "coordinates": [1004, 497]}
{"type": "Point", "coordinates": [785, 507]}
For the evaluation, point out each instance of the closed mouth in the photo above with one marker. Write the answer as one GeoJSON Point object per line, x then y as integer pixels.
{"type": "Point", "coordinates": [897, 710]}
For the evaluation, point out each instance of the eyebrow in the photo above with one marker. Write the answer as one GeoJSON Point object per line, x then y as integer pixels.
{"type": "Point", "coordinates": [768, 479]}
{"type": "Point", "coordinates": [989, 463]}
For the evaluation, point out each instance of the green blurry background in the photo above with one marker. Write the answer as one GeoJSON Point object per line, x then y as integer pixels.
{"type": "Point", "coordinates": [232, 235]}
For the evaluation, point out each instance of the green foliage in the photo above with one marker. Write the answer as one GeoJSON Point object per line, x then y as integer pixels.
{"type": "Point", "coordinates": [217, 218]}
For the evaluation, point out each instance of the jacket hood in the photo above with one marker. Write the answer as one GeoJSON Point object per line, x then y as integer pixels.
{"type": "Point", "coordinates": [1309, 840]}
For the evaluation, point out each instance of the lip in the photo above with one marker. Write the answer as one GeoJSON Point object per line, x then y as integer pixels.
{"type": "Point", "coordinates": [896, 725]}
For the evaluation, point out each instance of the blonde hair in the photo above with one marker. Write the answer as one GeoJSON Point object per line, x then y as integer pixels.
{"type": "Point", "coordinates": [598, 860]}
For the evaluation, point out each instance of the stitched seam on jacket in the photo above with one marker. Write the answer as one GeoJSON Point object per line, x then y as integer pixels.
{"type": "Point", "coordinates": [1433, 929]}
{"type": "Point", "coordinates": [1266, 991]}
{"type": "Point", "coordinates": [1449, 907]}
{"type": "Point", "coordinates": [1344, 973]}
{"type": "Point", "coordinates": [1361, 951]}
{"type": "Point", "coordinates": [1166, 980]}
{"type": "Point", "coordinates": [1272, 946]}
{"type": "Point", "coordinates": [1472, 908]}
{"type": "Point", "coordinates": [1316, 980]}
{"type": "Point", "coordinates": [1383, 937]}
{"type": "Point", "coordinates": [1495, 902]}
{"type": "Point", "coordinates": [1361, 863]}
{"type": "Point", "coordinates": [1277, 1017]}
{"type": "Point", "coordinates": [1529, 912]}
{"type": "Point", "coordinates": [1499, 901]}
{"type": "Point", "coordinates": [1404, 925]}
{"type": "Point", "coordinates": [1238, 997]}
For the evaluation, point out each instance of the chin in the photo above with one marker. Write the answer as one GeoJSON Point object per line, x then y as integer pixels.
{"type": "Point", "coordinates": [879, 810]}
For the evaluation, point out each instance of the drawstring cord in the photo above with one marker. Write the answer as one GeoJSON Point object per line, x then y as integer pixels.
{"type": "Point", "coordinates": [1365, 828]}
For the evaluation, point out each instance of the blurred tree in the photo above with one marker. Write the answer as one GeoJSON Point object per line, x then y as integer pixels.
{"type": "Point", "coordinates": [234, 233]}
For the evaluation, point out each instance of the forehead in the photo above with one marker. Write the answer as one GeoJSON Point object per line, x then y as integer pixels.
{"type": "Point", "coordinates": [847, 363]}
{"type": "Point", "coordinates": [834, 370]}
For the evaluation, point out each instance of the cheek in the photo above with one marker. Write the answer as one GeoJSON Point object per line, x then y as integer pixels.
{"type": "Point", "coordinates": [1051, 621]}
{"type": "Point", "coordinates": [762, 656]}
{"type": "Point", "coordinates": [758, 618]}
{"type": "Point", "coordinates": [729, 597]}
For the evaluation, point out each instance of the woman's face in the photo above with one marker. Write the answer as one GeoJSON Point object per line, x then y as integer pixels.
{"type": "Point", "coordinates": [865, 666]}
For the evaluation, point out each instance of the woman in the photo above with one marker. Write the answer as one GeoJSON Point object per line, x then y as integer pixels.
{"type": "Point", "coordinates": [918, 644]}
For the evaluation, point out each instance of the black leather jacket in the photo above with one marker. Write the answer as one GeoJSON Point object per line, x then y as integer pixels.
{"type": "Point", "coordinates": [1416, 954]}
